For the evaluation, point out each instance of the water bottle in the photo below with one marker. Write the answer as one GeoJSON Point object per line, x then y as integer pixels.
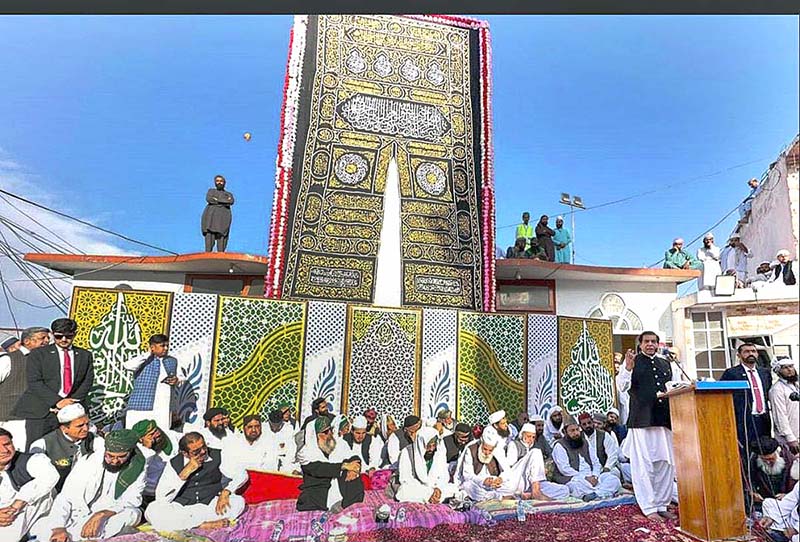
{"type": "Point", "coordinates": [401, 515]}
{"type": "Point", "coordinates": [276, 532]}
{"type": "Point", "coordinates": [520, 511]}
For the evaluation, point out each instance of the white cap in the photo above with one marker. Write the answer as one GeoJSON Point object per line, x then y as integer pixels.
{"type": "Point", "coordinates": [70, 412]}
{"type": "Point", "coordinates": [536, 418]}
{"type": "Point", "coordinates": [490, 436]}
{"type": "Point", "coordinates": [359, 422]}
{"type": "Point", "coordinates": [528, 428]}
{"type": "Point", "coordinates": [782, 252]}
{"type": "Point", "coordinates": [709, 235]}
{"type": "Point", "coordinates": [677, 240]}
{"type": "Point", "coordinates": [497, 416]}
{"type": "Point", "coordinates": [561, 218]}
{"type": "Point", "coordinates": [613, 410]}
{"type": "Point", "coordinates": [783, 362]}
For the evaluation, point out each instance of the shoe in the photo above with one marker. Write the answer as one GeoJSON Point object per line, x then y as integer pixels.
{"type": "Point", "coordinates": [589, 497]}
{"type": "Point", "coordinates": [666, 514]}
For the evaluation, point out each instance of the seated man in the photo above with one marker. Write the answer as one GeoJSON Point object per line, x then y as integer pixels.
{"type": "Point", "coordinates": [553, 426]}
{"type": "Point", "coordinates": [499, 422]}
{"type": "Point", "coordinates": [577, 466]}
{"type": "Point", "coordinates": [216, 427]}
{"type": "Point", "coordinates": [763, 274]}
{"type": "Point", "coordinates": [536, 250]}
{"type": "Point", "coordinates": [614, 426]}
{"type": "Point", "coordinates": [769, 470]}
{"type": "Point", "coordinates": [26, 487]}
{"type": "Point", "coordinates": [69, 443]}
{"type": "Point", "coordinates": [196, 489]}
{"type": "Point", "coordinates": [373, 424]}
{"type": "Point", "coordinates": [540, 442]}
{"type": "Point", "coordinates": [364, 445]}
{"type": "Point", "coordinates": [423, 471]}
{"type": "Point", "coordinates": [518, 250]}
{"type": "Point", "coordinates": [402, 438]}
{"type": "Point", "coordinates": [605, 446]}
{"type": "Point", "coordinates": [677, 258]}
{"type": "Point", "coordinates": [525, 445]}
{"type": "Point", "coordinates": [250, 449]}
{"type": "Point", "coordinates": [444, 419]}
{"type": "Point", "coordinates": [331, 473]}
{"type": "Point", "coordinates": [101, 496]}
{"type": "Point", "coordinates": [281, 434]}
{"type": "Point", "coordinates": [781, 515]}
{"type": "Point", "coordinates": [158, 446]}
{"type": "Point", "coordinates": [484, 475]}
{"type": "Point", "coordinates": [784, 272]}
{"type": "Point", "coordinates": [454, 444]}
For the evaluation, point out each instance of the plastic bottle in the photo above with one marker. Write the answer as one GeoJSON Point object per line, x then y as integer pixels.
{"type": "Point", "coordinates": [520, 511]}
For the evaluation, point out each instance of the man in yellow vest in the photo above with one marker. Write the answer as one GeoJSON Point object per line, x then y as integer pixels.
{"type": "Point", "coordinates": [525, 229]}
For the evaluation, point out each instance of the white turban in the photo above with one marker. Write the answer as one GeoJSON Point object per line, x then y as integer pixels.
{"type": "Point", "coordinates": [528, 428]}
{"type": "Point", "coordinates": [537, 418]}
{"type": "Point", "coordinates": [359, 422]}
{"type": "Point", "coordinates": [490, 436]}
{"type": "Point", "coordinates": [561, 218]}
{"type": "Point", "coordinates": [554, 409]}
{"type": "Point", "coordinates": [782, 252]}
{"type": "Point", "coordinates": [497, 416]}
{"type": "Point", "coordinates": [709, 235]}
{"type": "Point", "coordinates": [783, 362]}
{"type": "Point", "coordinates": [70, 412]}
{"type": "Point", "coordinates": [430, 422]}
{"type": "Point", "coordinates": [613, 410]}
{"type": "Point", "coordinates": [677, 240]}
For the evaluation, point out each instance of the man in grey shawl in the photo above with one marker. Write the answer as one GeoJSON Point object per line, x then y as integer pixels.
{"type": "Point", "coordinates": [216, 221]}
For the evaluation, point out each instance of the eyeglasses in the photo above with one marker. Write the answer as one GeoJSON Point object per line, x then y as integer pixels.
{"type": "Point", "coordinates": [59, 336]}
{"type": "Point", "coordinates": [198, 452]}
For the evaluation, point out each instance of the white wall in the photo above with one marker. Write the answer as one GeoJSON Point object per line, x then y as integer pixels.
{"type": "Point", "coordinates": [138, 280]}
{"type": "Point", "coordinates": [773, 221]}
{"type": "Point", "coordinates": [651, 301]}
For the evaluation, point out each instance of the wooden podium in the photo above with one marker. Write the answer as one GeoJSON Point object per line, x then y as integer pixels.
{"type": "Point", "coordinates": [710, 496]}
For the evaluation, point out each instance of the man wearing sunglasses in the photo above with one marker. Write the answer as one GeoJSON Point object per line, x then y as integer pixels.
{"type": "Point", "coordinates": [58, 375]}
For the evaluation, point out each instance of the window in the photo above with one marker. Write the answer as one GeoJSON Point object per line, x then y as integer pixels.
{"type": "Point", "coordinates": [710, 352]}
{"type": "Point", "coordinates": [613, 307]}
{"type": "Point", "coordinates": [246, 285]}
{"type": "Point", "coordinates": [526, 295]}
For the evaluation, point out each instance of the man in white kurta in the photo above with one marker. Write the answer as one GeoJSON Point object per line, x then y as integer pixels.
{"type": "Point", "coordinates": [785, 412]}
{"type": "Point", "coordinates": [553, 425]}
{"type": "Point", "coordinates": [26, 486]}
{"type": "Point", "coordinates": [423, 473]}
{"type": "Point", "coordinates": [585, 479]}
{"type": "Point", "coordinates": [610, 448]}
{"type": "Point", "coordinates": [282, 436]}
{"type": "Point", "coordinates": [402, 438]}
{"type": "Point", "coordinates": [216, 428]}
{"type": "Point", "coordinates": [250, 449]}
{"type": "Point", "coordinates": [367, 447]}
{"type": "Point", "coordinates": [158, 446]}
{"type": "Point", "coordinates": [782, 515]}
{"type": "Point", "coordinates": [101, 496]}
{"type": "Point", "coordinates": [524, 457]}
{"type": "Point", "coordinates": [649, 440]}
{"type": "Point", "coordinates": [196, 489]}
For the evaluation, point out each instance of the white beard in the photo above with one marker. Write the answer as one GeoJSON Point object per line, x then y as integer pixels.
{"type": "Point", "coordinates": [485, 459]}
{"type": "Point", "coordinates": [774, 469]}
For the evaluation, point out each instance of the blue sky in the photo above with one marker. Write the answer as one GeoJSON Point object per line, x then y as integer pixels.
{"type": "Point", "coordinates": [125, 120]}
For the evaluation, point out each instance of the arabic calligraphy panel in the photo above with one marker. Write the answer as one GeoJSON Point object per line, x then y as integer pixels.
{"type": "Point", "coordinates": [115, 325]}
{"type": "Point", "coordinates": [585, 365]}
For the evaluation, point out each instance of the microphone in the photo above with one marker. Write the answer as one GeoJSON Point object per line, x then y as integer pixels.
{"type": "Point", "coordinates": [675, 361]}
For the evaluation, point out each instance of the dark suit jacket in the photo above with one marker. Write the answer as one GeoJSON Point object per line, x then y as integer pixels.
{"type": "Point", "coordinates": [649, 377]}
{"type": "Point", "coordinates": [44, 381]}
{"type": "Point", "coordinates": [743, 400]}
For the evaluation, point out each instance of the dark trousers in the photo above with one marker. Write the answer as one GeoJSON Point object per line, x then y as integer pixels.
{"type": "Point", "coordinates": [36, 428]}
{"type": "Point", "coordinates": [221, 239]}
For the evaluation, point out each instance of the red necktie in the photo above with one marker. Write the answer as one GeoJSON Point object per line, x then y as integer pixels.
{"type": "Point", "coordinates": [756, 392]}
{"type": "Point", "coordinates": [67, 373]}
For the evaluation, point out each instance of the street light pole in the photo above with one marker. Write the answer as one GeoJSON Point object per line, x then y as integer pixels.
{"type": "Point", "coordinates": [575, 202]}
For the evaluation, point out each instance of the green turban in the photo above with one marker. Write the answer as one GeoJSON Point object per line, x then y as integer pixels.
{"type": "Point", "coordinates": [323, 423]}
{"type": "Point", "coordinates": [121, 440]}
{"type": "Point", "coordinates": [143, 427]}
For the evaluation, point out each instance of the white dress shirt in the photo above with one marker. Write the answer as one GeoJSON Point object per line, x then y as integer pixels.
{"type": "Point", "coordinates": [61, 368]}
{"type": "Point", "coordinates": [750, 373]}
{"type": "Point", "coordinates": [45, 478]}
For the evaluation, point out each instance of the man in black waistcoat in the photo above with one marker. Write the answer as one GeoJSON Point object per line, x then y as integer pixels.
{"type": "Point", "coordinates": [58, 375]}
{"type": "Point", "coordinates": [331, 473]}
{"type": "Point", "coordinates": [26, 486]}
{"type": "Point", "coordinates": [196, 489]}
{"type": "Point", "coordinates": [649, 440]}
{"type": "Point", "coordinates": [455, 443]}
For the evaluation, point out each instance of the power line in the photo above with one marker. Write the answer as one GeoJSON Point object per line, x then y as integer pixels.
{"type": "Point", "coordinates": [85, 223]}
{"type": "Point", "coordinates": [54, 234]}
{"type": "Point", "coordinates": [8, 301]}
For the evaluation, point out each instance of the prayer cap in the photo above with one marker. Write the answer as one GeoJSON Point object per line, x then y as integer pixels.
{"type": "Point", "coordinates": [556, 408]}
{"type": "Point", "coordinates": [569, 420]}
{"type": "Point", "coordinates": [141, 428]}
{"type": "Point", "coordinates": [709, 235]}
{"type": "Point", "coordinates": [121, 440]}
{"type": "Point", "coordinates": [497, 416]}
{"type": "Point", "coordinates": [343, 422]}
{"type": "Point", "coordinates": [527, 428]}
{"type": "Point", "coordinates": [677, 240]}
{"type": "Point", "coordinates": [559, 217]}
{"type": "Point", "coordinates": [8, 342]}
{"type": "Point", "coordinates": [444, 414]}
{"type": "Point", "coordinates": [613, 410]}
{"type": "Point", "coordinates": [734, 236]}
{"type": "Point", "coordinates": [284, 406]}
{"type": "Point", "coordinates": [410, 421]}
{"type": "Point", "coordinates": [462, 428]}
{"type": "Point", "coordinates": [599, 417]}
{"type": "Point", "coordinates": [370, 413]}
{"type": "Point", "coordinates": [584, 416]}
{"type": "Point", "coordinates": [536, 418]}
{"type": "Point", "coordinates": [275, 416]}
{"type": "Point", "coordinates": [490, 436]}
{"type": "Point", "coordinates": [214, 411]}
{"type": "Point", "coordinates": [782, 362]}
{"type": "Point", "coordinates": [360, 422]}
{"type": "Point", "coordinates": [782, 252]}
{"type": "Point", "coordinates": [323, 423]}
{"type": "Point", "coordinates": [70, 412]}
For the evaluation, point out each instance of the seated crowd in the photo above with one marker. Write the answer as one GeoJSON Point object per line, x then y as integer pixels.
{"type": "Point", "coordinates": [76, 482]}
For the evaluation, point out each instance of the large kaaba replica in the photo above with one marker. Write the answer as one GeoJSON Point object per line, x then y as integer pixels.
{"type": "Point", "coordinates": [384, 183]}
{"type": "Point", "coordinates": [380, 291]}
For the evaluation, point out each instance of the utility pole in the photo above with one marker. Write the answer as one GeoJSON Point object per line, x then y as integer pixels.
{"type": "Point", "coordinates": [575, 202]}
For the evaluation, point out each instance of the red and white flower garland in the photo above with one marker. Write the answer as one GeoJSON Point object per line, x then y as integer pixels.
{"type": "Point", "coordinates": [284, 161]}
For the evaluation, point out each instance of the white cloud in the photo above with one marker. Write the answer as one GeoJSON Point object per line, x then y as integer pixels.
{"type": "Point", "coordinates": [17, 179]}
